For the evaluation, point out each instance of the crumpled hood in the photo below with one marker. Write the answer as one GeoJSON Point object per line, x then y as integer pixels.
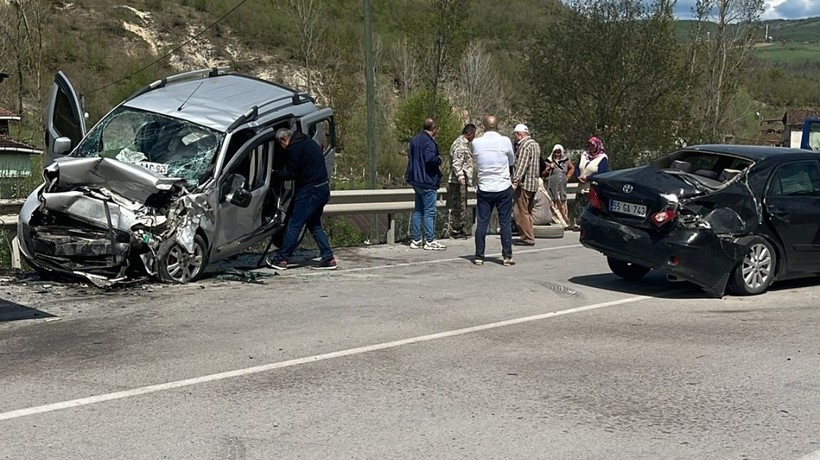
{"type": "Point", "coordinates": [130, 181]}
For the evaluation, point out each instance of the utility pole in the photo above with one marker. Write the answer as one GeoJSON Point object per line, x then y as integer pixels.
{"type": "Point", "coordinates": [371, 106]}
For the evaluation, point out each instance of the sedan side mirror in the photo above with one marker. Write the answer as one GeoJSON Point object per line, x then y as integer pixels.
{"type": "Point", "coordinates": [62, 145]}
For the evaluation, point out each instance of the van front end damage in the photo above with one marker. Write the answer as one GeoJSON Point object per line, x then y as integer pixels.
{"type": "Point", "coordinates": [105, 221]}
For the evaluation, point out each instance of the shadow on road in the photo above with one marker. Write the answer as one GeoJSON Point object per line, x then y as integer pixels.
{"type": "Point", "coordinates": [652, 285]}
{"type": "Point", "coordinates": [795, 284]}
{"type": "Point", "coordinates": [10, 311]}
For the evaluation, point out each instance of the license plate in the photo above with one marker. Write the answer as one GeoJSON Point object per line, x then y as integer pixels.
{"type": "Point", "coordinates": [158, 168]}
{"type": "Point", "coordinates": [623, 207]}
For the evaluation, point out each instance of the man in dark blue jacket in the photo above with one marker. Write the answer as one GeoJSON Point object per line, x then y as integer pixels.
{"type": "Point", "coordinates": [306, 166]}
{"type": "Point", "coordinates": [424, 174]}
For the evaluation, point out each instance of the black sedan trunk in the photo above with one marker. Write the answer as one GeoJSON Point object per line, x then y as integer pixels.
{"type": "Point", "coordinates": [632, 196]}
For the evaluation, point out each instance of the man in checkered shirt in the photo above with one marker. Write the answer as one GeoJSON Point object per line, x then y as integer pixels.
{"type": "Point", "coordinates": [525, 183]}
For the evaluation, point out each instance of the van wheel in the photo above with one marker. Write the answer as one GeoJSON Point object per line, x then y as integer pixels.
{"type": "Point", "coordinates": [755, 271]}
{"type": "Point", "coordinates": [176, 265]}
{"type": "Point", "coordinates": [626, 270]}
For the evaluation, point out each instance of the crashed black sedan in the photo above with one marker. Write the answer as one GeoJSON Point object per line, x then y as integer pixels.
{"type": "Point", "coordinates": [724, 217]}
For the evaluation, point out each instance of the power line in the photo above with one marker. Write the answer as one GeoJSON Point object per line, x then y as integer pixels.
{"type": "Point", "coordinates": [157, 60]}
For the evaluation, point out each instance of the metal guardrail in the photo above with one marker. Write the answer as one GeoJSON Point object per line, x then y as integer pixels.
{"type": "Point", "coordinates": [342, 202]}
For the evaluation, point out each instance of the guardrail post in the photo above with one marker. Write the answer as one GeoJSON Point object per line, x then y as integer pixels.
{"type": "Point", "coordinates": [391, 229]}
{"type": "Point", "coordinates": [15, 253]}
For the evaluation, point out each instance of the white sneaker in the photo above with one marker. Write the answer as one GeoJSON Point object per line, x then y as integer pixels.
{"type": "Point", "coordinates": [434, 246]}
{"type": "Point", "coordinates": [416, 244]}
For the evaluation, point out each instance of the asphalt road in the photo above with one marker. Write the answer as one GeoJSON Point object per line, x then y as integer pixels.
{"type": "Point", "coordinates": [411, 354]}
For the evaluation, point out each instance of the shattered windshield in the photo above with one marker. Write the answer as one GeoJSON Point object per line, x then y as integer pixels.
{"type": "Point", "coordinates": [168, 146]}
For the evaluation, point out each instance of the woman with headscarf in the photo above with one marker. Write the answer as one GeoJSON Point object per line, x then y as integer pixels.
{"type": "Point", "coordinates": [558, 170]}
{"type": "Point", "coordinates": [594, 160]}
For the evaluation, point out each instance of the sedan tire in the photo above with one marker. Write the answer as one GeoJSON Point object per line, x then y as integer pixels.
{"type": "Point", "coordinates": [176, 265]}
{"type": "Point", "coordinates": [626, 270]}
{"type": "Point", "coordinates": [755, 271]}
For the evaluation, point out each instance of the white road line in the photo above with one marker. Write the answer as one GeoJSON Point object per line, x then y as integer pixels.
{"type": "Point", "coordinates": [295, 362]}
{"type": "Point", "coordinates": [812, 456]}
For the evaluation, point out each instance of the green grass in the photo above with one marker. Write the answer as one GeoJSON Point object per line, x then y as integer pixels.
{"type": "Point", "coordinates": [789, 53]}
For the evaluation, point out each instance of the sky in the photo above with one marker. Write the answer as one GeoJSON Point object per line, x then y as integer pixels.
{"type": "Point", "coordinates": [775, 9]}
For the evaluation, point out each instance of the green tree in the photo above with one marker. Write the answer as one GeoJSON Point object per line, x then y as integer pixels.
{"type": "Point", "coordinates": [722, 41]}
{"type": "Point", "coordinates": [439, 39]}
{"type": "Point", "coordinates": [22, 44]}
{"type": "Point", "coordinates": [614, 71]}
{"type": "Point", "coordinates": [411, 114]}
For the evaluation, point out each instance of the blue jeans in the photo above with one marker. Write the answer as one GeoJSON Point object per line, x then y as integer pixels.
{"type": "Point", "coordinates": [486, 201]}
{"type": "Point", "coordinates": [425, 207]}
{"type": "Point", "coordinates": [308, 206]}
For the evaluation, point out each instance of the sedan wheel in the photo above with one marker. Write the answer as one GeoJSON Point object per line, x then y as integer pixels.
{"type": "Point", "coordinates": [627, 270]}
{"type": "Point", "coordinates": [755, 272]}
{"type": "Point", "coordinates": [176, 265]}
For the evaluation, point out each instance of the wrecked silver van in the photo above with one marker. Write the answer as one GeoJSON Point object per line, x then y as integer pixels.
{"type": "Point", "coordinates": [176, 176]}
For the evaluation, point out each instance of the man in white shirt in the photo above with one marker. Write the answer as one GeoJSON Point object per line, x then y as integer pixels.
{"type": "Point", "coordinates": [494, 156]}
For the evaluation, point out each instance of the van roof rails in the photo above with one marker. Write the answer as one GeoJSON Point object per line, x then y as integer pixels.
{"type": "Point", "coordinates": [191, 75]}
{"type": "Point", "coordinates": [301, 97]}
{"type": "Point", "coordinates": [250, 115]}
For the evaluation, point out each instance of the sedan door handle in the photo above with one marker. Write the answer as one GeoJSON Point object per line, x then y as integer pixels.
{"type": "Point", "coordinates": [780, 213]}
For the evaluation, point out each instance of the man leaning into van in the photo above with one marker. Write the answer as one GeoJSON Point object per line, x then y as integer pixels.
{"type": "Point", "coordinates": [306, 166]}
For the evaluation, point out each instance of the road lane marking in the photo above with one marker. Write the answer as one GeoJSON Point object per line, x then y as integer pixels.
{"type": "Point", "coordinates": [298, 361]}
{"type": "Point", "coordinates": [812, 456]}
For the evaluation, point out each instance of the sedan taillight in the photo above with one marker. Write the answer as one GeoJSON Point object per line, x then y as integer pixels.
{"type": "Point", "coordinates": [594, 200]}
{"type": "Point", "coordinates": [660, 218]}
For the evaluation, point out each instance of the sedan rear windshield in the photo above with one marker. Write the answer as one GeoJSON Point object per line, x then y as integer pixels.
{"type": "Point", "coordinates": [168, 146]}
{"type": "Point", "coordinates": [715, 168]}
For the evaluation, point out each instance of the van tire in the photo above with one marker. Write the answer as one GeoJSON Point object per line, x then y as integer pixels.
{"type": "Point", "coordinates": [175, 265]}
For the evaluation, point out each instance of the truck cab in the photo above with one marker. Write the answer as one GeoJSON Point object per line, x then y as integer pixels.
{"type": "Point", "coordinates": [811, 135]}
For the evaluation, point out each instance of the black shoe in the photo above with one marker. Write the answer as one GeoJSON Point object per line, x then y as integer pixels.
{"type": "Point", "coordinates": [329, 264]}
{"type": "Point", "coordinates": [523, 243]}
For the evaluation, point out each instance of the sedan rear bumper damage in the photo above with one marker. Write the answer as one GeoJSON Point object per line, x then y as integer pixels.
{"type": "Point", "coordinates": [698, 255]}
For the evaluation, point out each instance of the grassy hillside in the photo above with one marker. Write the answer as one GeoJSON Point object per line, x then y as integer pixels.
{"type": "Point", "coordinates": [780, 30]}
{"type": "Point", "coordinates": [109, 49]}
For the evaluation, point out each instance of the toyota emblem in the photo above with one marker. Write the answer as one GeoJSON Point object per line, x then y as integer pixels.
{"type": "Point", "coordinates": [627, 188]}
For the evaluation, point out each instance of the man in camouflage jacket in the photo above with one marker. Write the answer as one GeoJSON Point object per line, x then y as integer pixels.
{"type": "Point", "coordinates": [461, 175]}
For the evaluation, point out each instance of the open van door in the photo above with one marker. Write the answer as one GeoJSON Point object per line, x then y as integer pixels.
{"type": "Point", "coordinates": [65, 121]}
{"type": "Point", "coordinates": [811, 134]}
{"type": "Point", "coordinates": [321, 127]}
